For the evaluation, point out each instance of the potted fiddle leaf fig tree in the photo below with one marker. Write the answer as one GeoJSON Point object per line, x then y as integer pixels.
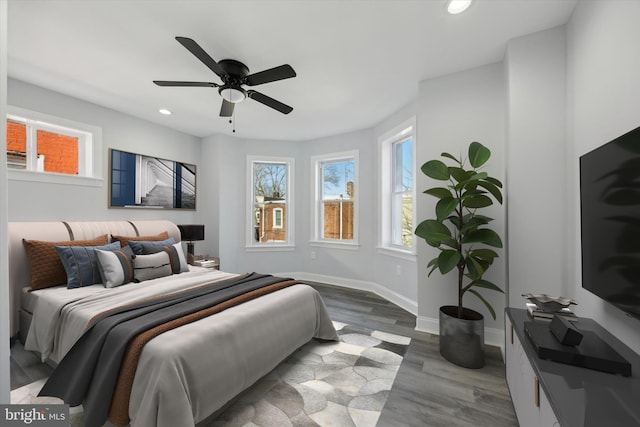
{"type": "Point", "coordinates": [465, 241]}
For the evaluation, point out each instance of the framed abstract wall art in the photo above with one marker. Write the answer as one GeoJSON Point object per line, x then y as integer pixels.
{"type": "Point", "coordinates": [139, 181]}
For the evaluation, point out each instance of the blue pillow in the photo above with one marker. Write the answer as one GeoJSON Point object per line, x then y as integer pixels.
{"type": "Point", "coordinates": [81, 264]}
{"type": "Point", "coordinates": [137, 245]}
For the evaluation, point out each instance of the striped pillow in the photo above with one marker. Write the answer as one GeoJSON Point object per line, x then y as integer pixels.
{"type": "Point", "coordinates": [81, 265]}
{"type": "Point", "coordinates": [116, 267]}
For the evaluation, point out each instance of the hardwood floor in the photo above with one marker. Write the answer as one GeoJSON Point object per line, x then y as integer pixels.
{"type": "Point", "coordinates": [428, 391]}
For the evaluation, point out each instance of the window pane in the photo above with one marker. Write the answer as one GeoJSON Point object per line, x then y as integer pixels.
{"type": "Point", "coordinates": [403, 166]}
{"type": "Point", "coordinates": [16, 145]}
{"type": "Point", "coordinates": [402, 219]}
{"type": "Point", "coordinates": [337, 199]}
{"type": "Point", "coordinates": [402, 200]}
{"type": "Point", "coordinates": [270, 201]}
{"type": "Point", "coordinates": [57, 153]}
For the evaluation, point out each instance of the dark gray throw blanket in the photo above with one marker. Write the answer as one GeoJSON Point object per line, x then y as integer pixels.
{"type": "Point", "coordinates": [88, 373]}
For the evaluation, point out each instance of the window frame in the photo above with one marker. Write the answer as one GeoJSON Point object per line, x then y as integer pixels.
{"type": "Point", "coordinates": [317, 222]}
{"type": "Point", "coordinates": [89, 148]}
{"type": "Point", "coordinates": [289, 243]}
{"type": "Point", "coordinates": [400, 133]}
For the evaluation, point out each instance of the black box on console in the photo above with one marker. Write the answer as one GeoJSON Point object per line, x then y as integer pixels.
{"type": "Point", "coordinates": [591, 353]}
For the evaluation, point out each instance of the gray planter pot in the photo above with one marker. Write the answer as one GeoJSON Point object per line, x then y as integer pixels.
{"type": "Point", "coordinates": [462, 340]}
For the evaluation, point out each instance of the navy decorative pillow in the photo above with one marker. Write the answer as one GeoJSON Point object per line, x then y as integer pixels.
{"type": "Point", "coordinates": [116, 267]}
{"type": "Point", "coordinates": [81, 264]}
{"type": "Point", "coordinates": [136, 246]}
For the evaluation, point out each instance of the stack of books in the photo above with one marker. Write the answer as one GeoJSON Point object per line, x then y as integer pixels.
{"type": "Point", "coordinates": [538, 314]}
{"type": "Point", "coordinates": [208, 263]}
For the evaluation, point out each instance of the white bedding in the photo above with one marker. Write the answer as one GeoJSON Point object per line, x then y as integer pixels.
{"type": "Point", "coordinates": [188, 373]}
{"type": "Point", "coordinates": [61, 315]}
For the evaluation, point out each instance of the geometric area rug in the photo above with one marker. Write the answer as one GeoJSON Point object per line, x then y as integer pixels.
{"type": "Point", "coordinates": [342, 384]}
{"type": "Point", "coordinates": [323, 383]}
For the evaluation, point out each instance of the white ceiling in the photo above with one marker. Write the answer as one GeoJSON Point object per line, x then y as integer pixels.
{"type": "Point", "coordinates": [357, 61]}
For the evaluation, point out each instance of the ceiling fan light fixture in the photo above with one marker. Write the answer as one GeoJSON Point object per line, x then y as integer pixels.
{"type": "Point", "coordinates": [233, 94]}
{"type": "Point", "coordinates": [457, 6]}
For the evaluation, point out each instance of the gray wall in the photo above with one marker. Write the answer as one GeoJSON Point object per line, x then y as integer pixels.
{"type": "Point", "coordinates": [37, 201]}
{"type": "Point", "coordinates": [603, 65]}
{"type": "Point", "coordinates": [536, 160]}
{"type": "Point", "coordinates": [453, 111]}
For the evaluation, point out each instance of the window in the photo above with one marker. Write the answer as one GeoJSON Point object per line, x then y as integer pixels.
{"type": "Point", "coordinates": [277, 218]}
{"type": "Point", "coordinates": [40, 143]}
{"type": "Point", "coordinates": [397, 192]}
{"type": "Point", "coordinates": [335, 203]}
{"type": "Point", "coordinates": [271, 188]}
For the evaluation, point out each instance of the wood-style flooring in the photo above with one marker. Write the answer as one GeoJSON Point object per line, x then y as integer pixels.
{"type": "Point", "coordinates": [428, 391]}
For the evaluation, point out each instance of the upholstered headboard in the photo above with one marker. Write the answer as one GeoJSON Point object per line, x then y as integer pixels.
{"type": "Point", "coordinates": [19, 273]}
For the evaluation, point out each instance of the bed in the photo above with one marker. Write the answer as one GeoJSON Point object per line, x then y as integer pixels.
{"type": "Point", "coordinates": [187, 373]}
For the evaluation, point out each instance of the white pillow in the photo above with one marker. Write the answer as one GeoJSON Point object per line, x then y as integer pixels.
{"type": "Point", "coordinates": [116, 267]}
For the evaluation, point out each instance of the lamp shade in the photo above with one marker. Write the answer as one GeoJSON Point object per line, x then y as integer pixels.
{"type": "Point", "coordinates": [191, 232]}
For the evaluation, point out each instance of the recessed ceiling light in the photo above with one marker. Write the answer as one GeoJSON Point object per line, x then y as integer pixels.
{"type": "Point", "coordinates": [165, 111]}
{"type": "Point", "coordinates": [457, 6]}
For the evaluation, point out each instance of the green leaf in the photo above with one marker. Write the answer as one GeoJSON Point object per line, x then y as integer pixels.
{"type": "Point", "coordinates": [484, 253]}
{"type": "Point", "coordinates": [473, 223]}
{"type": "Point", "coordinates": [486, 303]}
{"type": "Point", "coordinates": [451, 157]}
{"type": "Point", "coordinates": [487, 285]}
{"type": "Point", "coordinates": [477, 201]}
{"type": "Point", "coordinates": [478, 176]}
{"type": "Point", "coordinates": [459, 174]}
{"type": "Point", "coordinates": [478, 154]}
{"type": "Point", "coordinates": [436, 169]}
{"type": "Point", "coordinates": [475, 269]}
{"type": "Point", "coordinates": [433, 232]}
{"type": "Point", "coordinates": [452, 243]}
{"type": "Point", "coordinates": [491, 188]}
{"type": "Point", "coordinates": [445, 206]}
{"type": "Point", "coordinates": [433, 264]}
{"type": "Point", "coordinates": [448, 260]}
{"type": "Point", "coordinates": [494, 181]}
{"type": "Point", "coordinates": [439, 192]}
{"type": "Point", "coordinates": [485, 236]}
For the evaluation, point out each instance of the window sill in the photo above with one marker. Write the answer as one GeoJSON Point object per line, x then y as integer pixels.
{"type": "Point", "coordinates": [270, 248]}
{"type": "Point", "coordinates": [397, 253]}
{"type": "Point", "coordinates": [54, 178]}
{"type": "Point", "coordinates": [350, 246]}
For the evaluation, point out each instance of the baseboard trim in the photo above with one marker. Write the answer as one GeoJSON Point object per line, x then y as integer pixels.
{"type": "Point", "coordinates": [362, 285]}
{"type": "Point", "coordinates": [492, 336]}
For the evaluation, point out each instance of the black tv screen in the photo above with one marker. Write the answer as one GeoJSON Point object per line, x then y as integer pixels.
{"type": "Point", "coordinates": [610, 221]}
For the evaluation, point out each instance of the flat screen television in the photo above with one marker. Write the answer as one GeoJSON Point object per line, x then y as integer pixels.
{"type": "Point", "coordinates": [610, 222]}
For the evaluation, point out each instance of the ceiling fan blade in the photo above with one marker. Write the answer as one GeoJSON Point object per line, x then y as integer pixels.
{"type": "Point", "coordinates": [227, 108]}
{"type": "Point", "coordinates": [189, 84]}
{"type": "Point", "coordinates": [271, 75]}
{"type": "Point", "coordinates": [269, 102]}
{"type": "Point", "coordinates": [203, 56]}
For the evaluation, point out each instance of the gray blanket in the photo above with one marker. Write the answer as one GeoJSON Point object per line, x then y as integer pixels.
{"type": "Point", "coordinates": [87, 375]}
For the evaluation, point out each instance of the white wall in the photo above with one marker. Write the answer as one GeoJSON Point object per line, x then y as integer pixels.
{"type": "Point", "coordinates": [536, 159]}
{"type": "Point", "coordinates": [603, 65]}
{"type": "Point", "coordinates": [453, 111]}
{"type": "Point", "coordinates": [120, 131]}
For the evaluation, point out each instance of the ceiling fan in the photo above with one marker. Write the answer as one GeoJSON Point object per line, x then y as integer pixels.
{"type": "Point", "coordinates": [234, 75]}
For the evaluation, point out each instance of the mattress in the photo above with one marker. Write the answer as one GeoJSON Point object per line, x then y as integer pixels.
{"type": "Point", "coordinates": [186, 374]}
